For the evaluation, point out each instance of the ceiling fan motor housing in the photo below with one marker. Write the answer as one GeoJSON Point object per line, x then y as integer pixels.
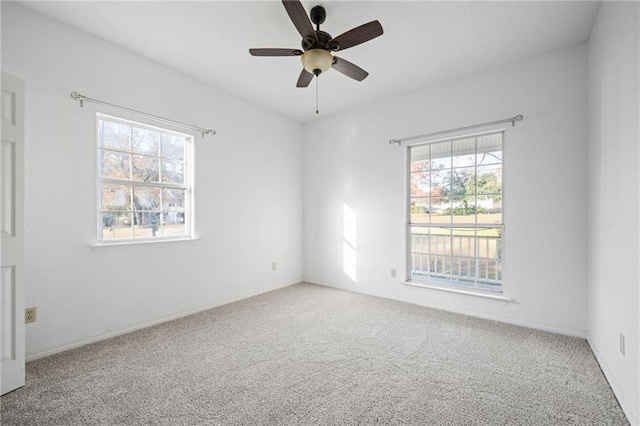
{"type": "Point", "coordinates": [324, 41]}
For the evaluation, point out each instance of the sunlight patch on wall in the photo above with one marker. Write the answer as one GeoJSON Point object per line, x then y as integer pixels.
{"type": "Point", "coordinates": [349, 243]}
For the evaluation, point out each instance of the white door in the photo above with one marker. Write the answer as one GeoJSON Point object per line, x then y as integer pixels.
{"type": "Point", "coordinates": [12, 342]}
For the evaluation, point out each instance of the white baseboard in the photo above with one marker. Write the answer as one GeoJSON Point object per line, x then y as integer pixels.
{"type": "Point", "coordinates": [568, 331]}
{"type": "Point", "coordinates": [98, 338]}
{"type": "Point", "coordinates": [627, 407]}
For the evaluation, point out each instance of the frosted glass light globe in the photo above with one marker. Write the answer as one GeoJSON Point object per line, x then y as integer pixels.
{"type": "Point", "coordinates": [316, 59]}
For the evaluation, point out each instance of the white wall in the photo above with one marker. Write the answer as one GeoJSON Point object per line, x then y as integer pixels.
{"type": "Point", "coordinates": [614, 276]}
{"type": "Point", "coordinates": [247, 177]}
{"type": "Point", "coordinates": [348, 161]}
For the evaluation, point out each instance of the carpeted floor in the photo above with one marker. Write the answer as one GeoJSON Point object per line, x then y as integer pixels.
{"type": "Point", "coordinates": [312, 355]}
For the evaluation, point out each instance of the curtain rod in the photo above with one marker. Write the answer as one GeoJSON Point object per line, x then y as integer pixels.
{"type": "Point", "coordinates": [81, 98]}
{"type": "Point", "coordinates": [511, 120]}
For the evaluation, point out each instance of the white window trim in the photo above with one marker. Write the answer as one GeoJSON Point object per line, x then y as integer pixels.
{"type": "Point", "coordinates": [189, 184]}
{"type": "Point", "coordinates": [141, 244]}
{"type": "Point", "coordinates": [492, 295]}
{"type": "Point", "coordinates": [499, 295]}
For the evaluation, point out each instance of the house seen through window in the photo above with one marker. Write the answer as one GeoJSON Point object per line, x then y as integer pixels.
{"type": "Point", "coordinates": [144, 182]}
{"type": "Point", "coordinates": [455, 210]}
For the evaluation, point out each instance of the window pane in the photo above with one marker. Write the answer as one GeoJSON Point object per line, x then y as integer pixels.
{"type": "Point", "coordinates": [174, 229]}
{"type": "Point", "coordinates": [440, 267]}
{"type": "Point", "coordinates": [440, 249]}
{"type": "Point", "coordinates": [115, 225]}
{"type": "Point", "coordinates": [146, 224]}
{"type": "Point", "coordinates": [145, 142]}
{"type": "Point", "coordinates": [173, 200]}
{"type": "Point", "coordinates": [173, 218]}
{"type": "Point", "coordinates": [489, 209]}
{"type": "Point", "coordinates": [464, 160]}
{"type": "Point", "coordinates": [146, 198]}
{"type": "Point", "coordinates": [440, 183]}
{"type": "Point", "coordinates": [489, 258]}
{"type": "Point", "coordinates": [440, 180]}
{"type": "Point", "coordinates": [489, 274]}
{"type": "Point", "coordinates": [145, 169]}
{"type": "Point", "coordinates": [441, 212]}
{"type": "Point", "coordinates": [116, 197]}
{"type": "Point", "coordinates": [419, 165]}
{"type": "Point", "coordinates": [420, 152]}
{"type": "Point", "coordinates": [489, 180]}
{"type": "Point", "coordinates": [463, 271]}
{"type": "Point", "coordinates": [489, 149]}
{"type": "Point", "coordinates": [114, 135]}
{"type": "Point", "coordinates": [464, 152]}
{"type": "Point", "coordinates": [420, 184]}
{"type": "Point", "coordinates": [431, 250]}
{"type": "Point", "coordinates": [419, 251]}
{"type": "Point", "coordinates": [441, 155]}
{"type": "Point", "coordinates": [460, 182]}
{"type": "Point", "coordinates": [463, 209]}
{"type": "Point", "coordinates": [488, 158]}
{"type": "Point", "coordinates": [116, 165]}
{"type": "Point", "coordinates": [420, 210]}
{"type": "Point", "coordinates": [173, 147]}
{"type": "Point", "coordinates": [490, 243]}
{"type": "Point", "coordinates": [463, 242]}
{"type": "Point", "coordinates": [172, 171]}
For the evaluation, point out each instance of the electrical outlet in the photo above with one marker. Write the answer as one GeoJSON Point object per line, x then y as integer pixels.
{"type": "Point", "coordinates": [30, 315]}
{"type": "Point", "coordinates": [622, 350]}
{"type": "Point", "coordinates": [393, 272]}
{"type": "Point", "coordinates": [274, 266]}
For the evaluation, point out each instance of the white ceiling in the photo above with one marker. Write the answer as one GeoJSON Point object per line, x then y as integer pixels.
{"type": "Point", "coordinates": [424, 42]}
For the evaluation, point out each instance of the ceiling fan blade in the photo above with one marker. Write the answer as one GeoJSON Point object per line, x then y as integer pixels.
{"type": "Point", "coordinates": [304, 79]}
{"type": "Point", "coordinates": [275, 52]}
{"type": "Point", "coordinates": [299, 18]}
{"type": "Point", "coordinates": [349, 69]}
{"type": "Point", "coordinates": [359, 35]}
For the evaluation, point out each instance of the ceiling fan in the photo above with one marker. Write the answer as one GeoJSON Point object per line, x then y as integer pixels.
{"type": "Point", "coordinates": [318, 45]}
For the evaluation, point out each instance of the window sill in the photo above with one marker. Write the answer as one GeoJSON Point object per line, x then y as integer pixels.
{"type": "Point", "coordinates": [475, 293]}
{"type": "Point", "coordinates": [132, 245]}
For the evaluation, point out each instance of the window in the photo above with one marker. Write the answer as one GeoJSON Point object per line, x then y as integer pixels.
{"type": "Point", "coordinates": [144, 182]}
{"type": "Point", "coordinates": [455, 212]}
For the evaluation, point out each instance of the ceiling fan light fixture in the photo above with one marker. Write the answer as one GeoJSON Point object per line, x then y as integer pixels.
{"type": "Point", "coordinates": [316, 59]}
{"type": "Point", "coordinates": [317, 46]}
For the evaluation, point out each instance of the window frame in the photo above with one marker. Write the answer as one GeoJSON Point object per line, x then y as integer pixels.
{"type": "Point", "coordinates": [452, 286]}
{"type": "Point", "coordinates": [188, 186]}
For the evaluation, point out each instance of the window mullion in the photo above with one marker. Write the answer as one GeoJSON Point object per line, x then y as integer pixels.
{"type": "Point", "coordinates": [451, 197]}
{"type": "Point", "coordinates": [475, 196]}
{"type": "Point", "coordinates": [160, 177]}
{"type": "Point", "coordinates": [161, 214]}
{"type": "Point", "coordinates": [143, 183]}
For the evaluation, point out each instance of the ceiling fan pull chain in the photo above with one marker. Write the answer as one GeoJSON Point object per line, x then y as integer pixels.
{"type": "Point", "coordinates": [317, 78]}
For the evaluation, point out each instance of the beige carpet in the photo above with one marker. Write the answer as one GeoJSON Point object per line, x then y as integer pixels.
{"type": "Point", "coordinates": [312, 355]}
